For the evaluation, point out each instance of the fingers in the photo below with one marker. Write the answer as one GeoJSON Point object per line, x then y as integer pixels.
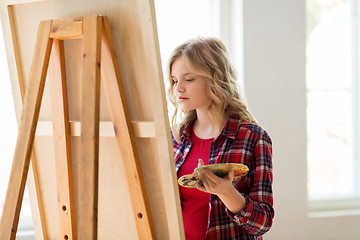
{"type": "Point", "coordinates": [203, 180]}
{"type": "Point", "coordinates": [210, 176]}
{"type": "Point", "coordinates": [210, 183]}
{"type": "Point", "coordinates": [206, 184]}
{"type": "Point", "coordinates": [208, 179]}
{"type": "Point", "coordinates": [201, 163]}
{"type": "Point", "coordinates": [200, 186]}
{"type": "Point", "coordinates": [230, 175]}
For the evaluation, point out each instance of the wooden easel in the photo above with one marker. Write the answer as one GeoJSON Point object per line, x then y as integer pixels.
{"type": "Point", "coordinates": [98, 54]}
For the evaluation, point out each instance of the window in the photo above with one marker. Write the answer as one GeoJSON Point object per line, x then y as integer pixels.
{"type": "Point", "coordinates": [181, 20]}
{"type": "Point", "coordinates": [178, 21]}
{"type": "Point", "coordinates": [333, 104]}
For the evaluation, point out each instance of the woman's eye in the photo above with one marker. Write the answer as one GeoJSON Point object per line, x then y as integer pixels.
{"type": "Point", "coordinates": [190, 79]}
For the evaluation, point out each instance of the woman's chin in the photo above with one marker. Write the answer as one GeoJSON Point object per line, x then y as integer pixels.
{"type": "Point", "coordinates": [186, 109]}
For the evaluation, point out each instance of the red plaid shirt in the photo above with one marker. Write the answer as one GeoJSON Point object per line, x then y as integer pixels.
{"type": "Point", "coordinates": [248, 144]}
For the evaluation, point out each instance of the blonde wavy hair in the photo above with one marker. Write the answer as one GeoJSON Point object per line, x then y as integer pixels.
{"type": "Point", "coordinates": [209, 58]}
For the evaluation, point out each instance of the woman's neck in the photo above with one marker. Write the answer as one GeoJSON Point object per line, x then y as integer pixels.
{"type": "Point", "coordinates": [204, 126]}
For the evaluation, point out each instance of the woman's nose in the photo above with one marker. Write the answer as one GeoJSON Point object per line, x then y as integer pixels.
{"type": "Point", "coordinates": [179, 87]}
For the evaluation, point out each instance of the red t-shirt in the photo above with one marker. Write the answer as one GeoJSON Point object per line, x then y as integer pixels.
{"type": "Point", "coordinates": [195, 203]}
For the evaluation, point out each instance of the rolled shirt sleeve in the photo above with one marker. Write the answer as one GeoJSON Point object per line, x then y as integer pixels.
{"type": "Point", "coordinates": [256, 217]}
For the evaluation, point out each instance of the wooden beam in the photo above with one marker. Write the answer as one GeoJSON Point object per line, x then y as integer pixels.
{"type": "Point", "coordinates": [30, 114]}
{"type": "Point", "coordinates": [62, 143]}
{"type": "Point", "coordinates": [33, 175]}
{"type": "Point", "coordinates": [165, 150]}
{"type": "Point", "coordinates": [141, 129]}
{"type": "Point", "coordinates": [90, 103]}
{"type": "Point", "coordinates": [125, 136]}
{"type": "Point", "coordinates": [16, 49]}
{"type": "Point", "coordinates": [14, 2]}
{"type": "Point", "coordinates": [67, 28]}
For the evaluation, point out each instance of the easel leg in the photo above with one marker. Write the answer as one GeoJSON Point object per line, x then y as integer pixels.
{"type": "Point", "coordinates": [125, 136]}
{"type": "Point", "coordinates": [33, 174]}
{"type": "Point", "coordinates": [62, 142]}
{"type": "Point", "coordinates": [90, 103]}
{"type": "Point", "coordinates": [29, 117]}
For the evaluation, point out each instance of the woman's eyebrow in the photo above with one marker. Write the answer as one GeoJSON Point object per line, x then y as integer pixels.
{"type": "Point", "coordinates": [183, 75]}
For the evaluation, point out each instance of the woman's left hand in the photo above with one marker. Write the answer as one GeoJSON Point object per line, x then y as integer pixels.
{"type": "Point", "coordinates": [214, 184]}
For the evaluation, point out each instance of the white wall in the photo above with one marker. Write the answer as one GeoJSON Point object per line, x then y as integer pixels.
{"type": "Point", "coordinates": [274, 77]}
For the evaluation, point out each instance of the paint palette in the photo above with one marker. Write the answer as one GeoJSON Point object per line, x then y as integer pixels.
{"type": "Point", "coordinates": [189, 180]}
{"type": "Point", "coordinates": [219, 169]}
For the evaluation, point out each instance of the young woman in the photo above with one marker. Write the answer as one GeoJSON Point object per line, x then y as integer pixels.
{"type": "Point", "coordinates": [215, 127]}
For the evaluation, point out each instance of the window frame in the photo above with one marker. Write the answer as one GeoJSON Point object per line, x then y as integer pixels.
{"type": "Point", "coordinates": [346, 205]}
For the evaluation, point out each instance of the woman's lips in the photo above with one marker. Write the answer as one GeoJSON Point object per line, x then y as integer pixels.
{"type": "Point", "coordinates": [181, 99]}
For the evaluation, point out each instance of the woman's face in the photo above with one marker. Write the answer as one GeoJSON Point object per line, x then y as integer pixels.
{"type": "Point", "coordinates": [189, 88]}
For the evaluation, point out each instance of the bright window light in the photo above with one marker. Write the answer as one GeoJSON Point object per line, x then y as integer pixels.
{"type": "Point", "coordinates": [178, 21]}
{"type": "Point", "coordinates": [332, 105]}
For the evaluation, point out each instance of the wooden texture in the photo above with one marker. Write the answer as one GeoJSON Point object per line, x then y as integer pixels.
{"type": "Point", "coordinates": [33, 183]}
{"type": "Point", "coordinates": [32, 102]}
{"type": "Point", "coordinates": [16, 51]}
{"type": "Point", "coordinates": [134, 31]}
{"type": "Point", "coordinates": [141, 129]}
{"type": "Point", "coordinates": [67, 28]}
{"type": "Point", "coordinates": [13, 2]}
{"type": "Point", "coordinates": [162, 129]}
{"type": "Point", "coordinates": [90, 103]}
{"type": "Point", "coordinates": [62, 144]}
{"type": "Point", "coordinates": [125, 136]}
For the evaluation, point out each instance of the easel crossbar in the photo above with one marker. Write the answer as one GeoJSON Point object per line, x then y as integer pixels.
{"type": "Point", "coordinates": [67, 28]}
